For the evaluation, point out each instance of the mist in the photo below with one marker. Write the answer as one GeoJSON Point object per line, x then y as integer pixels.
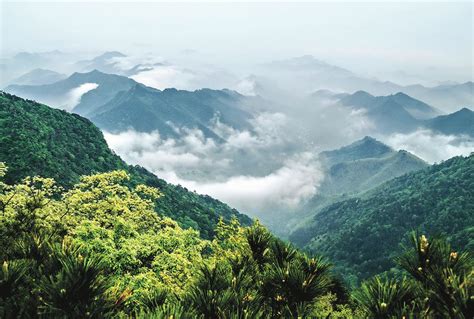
{"type": "Point", "coordinates": [435, 44]}
{"type": "Point", "coordinates": [295, 82]}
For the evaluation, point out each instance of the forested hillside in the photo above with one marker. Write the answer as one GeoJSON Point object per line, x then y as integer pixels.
{"type": "Point", "coordinates": [362, 234]}
{"type": "Point", "coordinates": [38, 140]}
{"type": "Point", "coordinates": [98, 248]}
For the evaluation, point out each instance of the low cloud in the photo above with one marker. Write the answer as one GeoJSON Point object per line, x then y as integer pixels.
{"type": "Point", "coordinates": [255, 171]}
{"type": "Point", "coordinates": [430, 146]}
{"type": "Point", "coordinates": [285, 188]}
{"type": "Point", "coordinates": [74, 96]}
{"type": "Point", "coordinates": [165, 76]}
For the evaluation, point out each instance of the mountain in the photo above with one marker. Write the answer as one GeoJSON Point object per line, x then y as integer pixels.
{"type": "Point", "coordinates": [349, 171]}
{"type": "Point", "coordinates": [446, 97]}
{"type": "Point", "coordinates": [38, 140]}
{"type": "Point", "coordinates": [416, 108]}
{"type": "Point", "coordinates": [38, 77]}
{"type": "Point", "coordinates": [363, 165]}
{"type": "Point", "coordinates": [300, 76]}
{"type": "Point", "coordinates": [61, 94]}
{"type": "Point", "coordinates": [367, 147]}
{"type": "Point", "coordinates": [147, 109]}
{"type": "Point", "coordinates": [23, 62]}
{"type": "Point", "coordinates": [104, 62]}
{"type": "Point", "coordinates": [361, 233]}
{"type": "Point", "coordinates": [117, 103]}
{"type": "Point", "coordinates": [402, 113]}
{"type": "Point", "coordinates": [457, 123]}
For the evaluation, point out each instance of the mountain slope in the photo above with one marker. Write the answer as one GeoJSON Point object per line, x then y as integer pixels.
{"type": "Point", "coordinates": [356, 176]}
{"type": "Point", "coordinates": [360, 233]}
{"type": "Point", "coordinates": [402, 113]}
{"type": "Point", "coordinates": [415, 108]}
{"type": "Point", "coordinates": [117, 103]}
{"type": "Point", "coordinates": [147, 109]}
{"type": "Point", "coordinates": [460, 122]}
{"type": "Point", "coordinates": [367, 147]}
{"type": "Point", "coordinates": [362, 165]}
{"type": "Point", "coordinates": [351, 170]}
{"type": "Point", "coordinates": [61, 94]}
{"type": "Point", "coordinates": [38, 140]}
{"type": "Point", "coordinates": [38, 77]}
{"type": "Point", "coordinates": [445, 97]}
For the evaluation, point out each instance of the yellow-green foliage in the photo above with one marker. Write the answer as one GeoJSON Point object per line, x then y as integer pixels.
{"type": "Point", "coordinates": [104, 217]}
{"type": "Point", "coordinates": [100, 250]}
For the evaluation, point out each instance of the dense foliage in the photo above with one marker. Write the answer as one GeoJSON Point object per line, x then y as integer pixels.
{"type": "Point", "coordinates": [99, 250]}
{"type": "Point", "coordinates": [36, 140]}
{"type": "Point", "coordinates": [362, 234]}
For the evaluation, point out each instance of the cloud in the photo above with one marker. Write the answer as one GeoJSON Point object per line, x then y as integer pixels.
{"type": "Point", "coordinates": [256, 171]}
{"type": "Point", "coordinates": [126, 63]}
{"type": "Point", "coordinates": [74, 96]}
{"type": "Point", "coordinates": [285, 188]}
{"type": "Point", "coordinates": [165, 76]}
{"type": "Point", "coordinates": [246, 86]}
{"type": "Point", "coordinates": [430, 146]}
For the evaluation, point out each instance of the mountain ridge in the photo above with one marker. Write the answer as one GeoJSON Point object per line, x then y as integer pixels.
{"type": "Point", "coordinates": [38, 140]}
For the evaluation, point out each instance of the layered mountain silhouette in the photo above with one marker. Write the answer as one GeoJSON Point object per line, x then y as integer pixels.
{"type": "Point", "coordinates": [59, 94]}
{"type": "Point", "coordinates": [457, 123]}
{"type": "Point", "coordinates": [118, 103]}
{"type": "Point", "coordinates": [306, 74]}
{"type": "Point", "coordinates": [364, 164]}
{"type": "Point", "coordinates": [360, 233]}
{"type": "Point", "coordinates": [352, 170]}
{"type": "Point", "coordinates": [402, 113]}
{"type": "Point", "coordinates": [39, 77]}
{"type": "Point", "coordinates": [146, 109]}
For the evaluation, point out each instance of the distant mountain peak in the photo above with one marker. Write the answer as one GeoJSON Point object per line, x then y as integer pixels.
{"type": "Point", "coordinates": [367, 147]}
{"type": "Point", "coordinates": [369, 141]}
{"type": "Point", "coordinates": [110, 54]}
{"type": "Point", "coordinates": [464, 110]}
{"type": "Point", "coordinates": [362, 93]}
{"type": "Point", "coordinates": [401, 94]}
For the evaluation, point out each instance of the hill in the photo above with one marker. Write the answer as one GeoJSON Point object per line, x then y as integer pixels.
{"type": "Point", "coordinates": [146, 109]}
{"type": "Point", "coordinates": [349, 171]}
{"type": "Point", "coordinates": [38, 140]}
{"type": "Point", "coordinates": [402, 113]}
{"type": "Point", "coordinates": [361, 234]}
{"type": "Point", "coordinates": [116, 103]}
{"type": "Point", "coordinates": [38, 77]}
{"type": "Point", "coordinates": [460, 122]}
{"type": "Point", "coordinates": [364, 164]}
{"type": "Point", "coordinates": [61, 94]}
{"type": "Point", "coordinates": [392, 113]}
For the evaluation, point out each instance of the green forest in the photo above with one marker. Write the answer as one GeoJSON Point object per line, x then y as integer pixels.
{"type": "Point", "coordinates": [363, 234]}
{"type": "Point", "coordinates": [38, 140]}
{"type": "Point", "coordinates": [84, 235]}
{"type": "Point", "coordinates": [99, 250]}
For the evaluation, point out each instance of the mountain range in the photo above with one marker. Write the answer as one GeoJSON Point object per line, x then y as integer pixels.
{"type": "Point", "coordinates": [306, 74]}
{"type": "Point", "coordinates": [39, 77]}
{"type": "Point", "coordinates": [361, 213]}
{"type": "Point", "coordinates": [363, 165]}
{"type": "Point", "coordinates": [360, 233]}
{"type": "Point", "coordinates": [38, 140]}
{"type": "Point", "coordinates": [118, 103]}
{"type": "Point", "coordinates": [348, 172]}
{"type": "Point", "coordinates": [402, 113]}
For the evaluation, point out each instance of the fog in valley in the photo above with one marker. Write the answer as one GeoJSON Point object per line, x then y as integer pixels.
{"type": "Point", "coordinates": [292, 81]}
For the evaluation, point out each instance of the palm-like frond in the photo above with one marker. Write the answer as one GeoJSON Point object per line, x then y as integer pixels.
{"type": "Point", "coordinates": [77, 289]}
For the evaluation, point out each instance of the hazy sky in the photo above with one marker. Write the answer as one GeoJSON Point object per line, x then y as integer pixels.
{"type": "Point", "coordinates": [370, 38]}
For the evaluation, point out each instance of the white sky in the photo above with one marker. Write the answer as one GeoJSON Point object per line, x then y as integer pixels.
{"type": "Point", "coordinates": [369, 38]}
